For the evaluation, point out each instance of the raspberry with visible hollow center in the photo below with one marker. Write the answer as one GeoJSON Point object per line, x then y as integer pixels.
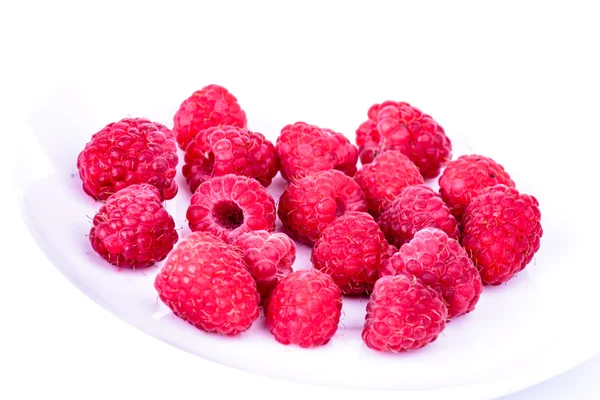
{"type": "Point", "coordinates": [230, 205]}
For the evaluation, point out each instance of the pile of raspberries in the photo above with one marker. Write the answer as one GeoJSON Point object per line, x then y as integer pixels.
{"type": "Point", "coordinates": [419, 256]}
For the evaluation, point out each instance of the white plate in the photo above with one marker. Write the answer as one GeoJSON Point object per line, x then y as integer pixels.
{"type": "Point", "coordinates": [534, 327]}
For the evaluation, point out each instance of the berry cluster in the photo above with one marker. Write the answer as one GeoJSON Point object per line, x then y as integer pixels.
{"type": "Point", "coordinates": [422, 257]}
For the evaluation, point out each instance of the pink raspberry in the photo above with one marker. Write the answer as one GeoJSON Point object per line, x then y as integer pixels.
{"type": "Point", "coordinates": [415, 208]}
{"type": "Point", "coordinates": [443, 265]}
{"type": "Point", "coordinates": [384, 178]}
{"type": "Point", "coordinates": [128, 152]}
{"type": "Point", "coordinates": [205, 282]}
{"type": "Point", "coordinates": [352, 250]}
{"type": "Point", "coordinates": [223, 150]}
{"type": "Point", "coordinates": [304, 149]}
{"type": "Point", "coordinates": [230, 205]}
{"type": "Point", "coordinates": [403, 127]}
{"type": "Point", "coordinates": [268, 256]}
{"type": "Point", "coordinates": [465, 177]}
{"type": "Point", "coordinates": [310, 204]}
{"type": "Point", "coordinates": [211, 106]}
{"type": "Point", "coordinates": [403, 315]}
{"type": "Point", "coordinates": [133, 229]}
{"type": "Point", "coordinates": [501, 232]}
{"type": "Point", "coordinates": [304, 309]}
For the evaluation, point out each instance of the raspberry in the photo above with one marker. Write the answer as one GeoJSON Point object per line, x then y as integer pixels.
{"type": "Point", "coordinates": [403, 315]}
{"type": "Point", "coordinates": [443, 265]}
{"type": "Point", "coordinates": [128, 152]}
{"type": "Point", "coordinates": [225, 150]}
{"type": "Point", "coordinates": [205, 282]}
{"type": "Point", "coordinates": [230, 205]}
{"type": "Point", "coordinates": [310, 204]}
{"type": "Point", "coordinates": [304, 309]}
{"type": "Point", "coordinates": [403, 127]}
{"type": "Point", "coordinates": [415, 208]}
{"type": "Point", "coordinates": [133, 229]}
{"type": "Point", "coordinates": [268, 256]}
{"type": "Point", "coordinates": [305, 149]}
{"type": "Point", "coordinates": [501, 232]}
{"type": "Point", "coordinates": [211, 106]}
{"type": "Point", "coordinates": [465, 177]}
{"type": "Point", "coordinates": [352, 250]}
{"type": "Point", "coordinates": [384, 178]}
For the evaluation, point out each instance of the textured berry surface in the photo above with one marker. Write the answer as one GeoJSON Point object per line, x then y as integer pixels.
{"type": "Point", "coordinates": [128, 152]}
{"type": "Point", "coordinates": [268, 256]}
{"type": "Point", "coordinates": [304, 309]}
{"type": "Point", "coordinates": [352, 250]}
{"type": "Point", "coordinates": [133, 229]}
{"type": "Point", "coordinates": [310, 204]}
{"type": "Point", "coordinates": [206, 283]}
{"type": "Point", "coordinates": [465, 177]}
{"type": "Point", "coordinates": [211, 106]}
{"type": "Point", "coordinates": [415, 208]}
{"type": "Point", "coordinates": [230, 205]}
{"type": "Point", "coordinates": [501, 232]}
{"type": "Point", "coordinates": [403, 127]}
{"type": "Point", "coordinates": [304, 149]}
{"type": "Point", "coordinates": [403, 315]}
{"type": "Point", "coordinates": [384, 178]}
{"type": "Point", "coordinates": [441, 264]}
{"type": "Point", "coordinates": [223, 150]}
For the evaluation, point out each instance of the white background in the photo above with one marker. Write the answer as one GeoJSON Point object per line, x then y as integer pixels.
{"type": "Point", "coordinates": [510, 63]}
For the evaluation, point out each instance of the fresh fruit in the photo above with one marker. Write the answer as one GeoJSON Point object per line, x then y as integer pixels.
{"type": "Point", "coordinates": [403, 315]}
{"type": "Point", "coordinates": [304, 309]}
{"type": "Point", "coordinates": [310, 204]}
{"type": "Point", "coordinates": [230, 205]}
{"type": "Point", "coordinates": [441, 264]}
{"type": "Point", "coordinates": [133, 229]}
{"type": "Point", "coordinates": [501, 232]}
{"type": "Point", "coordinates": [352, 250]}
{"type": "Point", "coordinates": [205, 282]}
{"type": "Point", "coordinates": [268, 256]}
{"type": "Point", "coordinates": [400, 126]}
{"type": "Point", "coordinates": [211, 106]}
{"type": "Point", "coordinates": [384, 178]}
{"type": "Point", "coordinates": [415, 208]}
{"type": "Point", "coordinates": [465, 177]}
{"type": "Point", "coordinates": [128, 152]}
{"type": "Point", "coordinates": [223, 150]}
{"type": "Point", "coordinates": [304, 149]}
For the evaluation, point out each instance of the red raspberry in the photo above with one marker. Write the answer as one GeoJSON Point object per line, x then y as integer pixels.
{"type": "Point", "coordinates": [415, 208]}
{"type": "Point", "coordinates": [304, 309]}
{"type": "Point", "coordinates": [133, 229]}
{"type": "Point", "coordinates": [351, 250]}
{"type": "Point", "coordinates": [225, 150]}
{"type": "Point", "coordinates": [305, 149]}
{"type": "Point", "coordinates": [405, 128]}
{"type": "Point", "coordinates": [403, 315]}
{"type": "Point", "coordinates": [465, 177]}
{"type": "Point", "coordinates": [268, 256]}
{"type": "Point", "coordinates": [501, 232]}
{"type": "Point", "coordinates": [443, 265]}
{"type": "Point", "coordinates": [384, 178]}
{"type": "Point", "coordinates": [310, 204]}
{"type": "Point", "coordinates": [211, 106]}
{"type": "Point", "coordinates": [230, 205]}
{"type": "Point", "coordinates": [205, 282]}
{"type": "Point", "coordinates": [129, 152]}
